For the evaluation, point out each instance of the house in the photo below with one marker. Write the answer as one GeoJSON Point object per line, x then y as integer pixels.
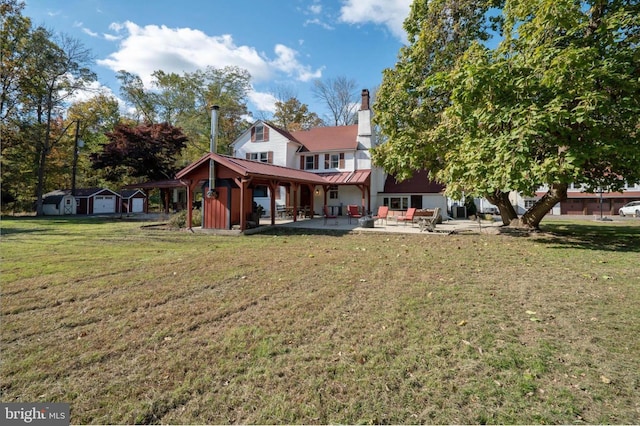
{"type": "Point", "coordinates": [58, 203]}
{"type": "Point", "coordinates": [133, 201]}
{"type": "Point", "coordinates": [299, 171]}
{"type": "Point", "coordinates": [579, 202]}
{"type": "Point", "coordinates": [342, 156]}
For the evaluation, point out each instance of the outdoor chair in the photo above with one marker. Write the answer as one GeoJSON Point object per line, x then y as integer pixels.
{"type": "Point", "coordinates": [327, 215]}
{"type": "Point", "coordinates": [408, 217]}
{"type": "Point", "coordinates": [352, 212]}
{"type": "Point", "coordinates": [383, 212]}
{"type": "Point", "coordinates": [429, 222]}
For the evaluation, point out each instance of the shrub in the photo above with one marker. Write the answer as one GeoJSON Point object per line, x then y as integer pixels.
{"type": "Point", "coordinates": [179, 220]}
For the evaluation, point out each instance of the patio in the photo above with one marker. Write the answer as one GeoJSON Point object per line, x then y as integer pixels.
{"type": "Point", "coordinates": [446, 227]}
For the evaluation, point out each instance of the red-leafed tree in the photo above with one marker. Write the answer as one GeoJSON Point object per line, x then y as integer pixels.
{"type": "Point", "coordinates": [148, 151]}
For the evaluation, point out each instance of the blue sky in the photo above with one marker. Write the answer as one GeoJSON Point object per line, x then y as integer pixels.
{"type": "Point", "coordinates": [282, 43]}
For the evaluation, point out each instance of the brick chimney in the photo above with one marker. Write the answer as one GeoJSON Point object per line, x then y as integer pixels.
{"type": "Point", "coordinates": [365, 100]}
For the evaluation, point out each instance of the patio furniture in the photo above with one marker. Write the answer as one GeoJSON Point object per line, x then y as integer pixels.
{"type": "Point", "coordinates": [383, 212]}
{"type": "Point", "coordinates": [352, 212]}
{"type": "Point", "coordinates": [328, 215]}
{"type": "Point", "coordinates": [429, 222]}
{"type": "Point", "coordinates": [408, 217]}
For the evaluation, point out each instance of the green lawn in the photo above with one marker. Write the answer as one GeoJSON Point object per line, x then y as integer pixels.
{"type": "Point", "coordinates": [134, 325]}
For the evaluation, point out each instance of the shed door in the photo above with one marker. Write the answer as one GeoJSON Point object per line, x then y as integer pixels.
{"type": "Point", "coordinates": [104, 204]}
{"type": "Point", "coordinates": [137, 205]}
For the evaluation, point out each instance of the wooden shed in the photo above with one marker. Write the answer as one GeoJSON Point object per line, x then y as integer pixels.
{"type": "Point", "coordinates": [58, 203]}
{"type": "Point", "coordinates": [97, 201]}
{"type": "Point", "coordinates": [228, 200]}
{"type": "Point", "coordinates": [133, 201]}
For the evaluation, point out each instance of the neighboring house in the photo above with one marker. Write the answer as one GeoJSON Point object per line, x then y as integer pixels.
{"type": "Point", "coordinates": [342, 156]}
{"type": "Point", "coordinates": [58, 203]}
{"type": "Point", "coordinates": [133, 201]}
{"type": "Point", "coordinates": [579, 202]}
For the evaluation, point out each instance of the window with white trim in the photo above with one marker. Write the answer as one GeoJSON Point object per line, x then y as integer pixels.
{"type": "Point", "coordinates": [333, 192]}
{"type": "Point", "coordinates": [396, 203]}
{"type": "Point", "coordinates": [259, 156]}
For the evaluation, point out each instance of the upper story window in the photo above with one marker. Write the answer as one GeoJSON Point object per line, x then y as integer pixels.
{"type": "Point", "coordinates": [309, 162]}
{"type": "Point", "coordinates": [264, 157]}
{"type": "Point", "coordinates": [334, 161]}
{"type": "Point", "coordinates": [259, 133]}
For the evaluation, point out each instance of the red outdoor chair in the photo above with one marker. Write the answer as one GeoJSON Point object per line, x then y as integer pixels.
{"type": "Point", "coordinates": [352, 212]}
{"type": "Point", "coordinates": [383, 212]}
{"type": "Point", "coordinates": [327, 215]}
{"type": "Point", "coordinates": [407, 217]}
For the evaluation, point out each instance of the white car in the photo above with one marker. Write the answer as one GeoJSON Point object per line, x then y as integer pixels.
{"type": "Point", "coordinates": [631, 209]}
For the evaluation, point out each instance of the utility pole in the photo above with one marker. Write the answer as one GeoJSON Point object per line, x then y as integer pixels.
{"type": "Point", "coordinates": [75, 159]}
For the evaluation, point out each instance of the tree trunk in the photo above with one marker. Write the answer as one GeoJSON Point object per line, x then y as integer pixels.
{"type": "Point", "coordinates": [532, 217]}
{"type": "Point", "coordinates": [501, 200]}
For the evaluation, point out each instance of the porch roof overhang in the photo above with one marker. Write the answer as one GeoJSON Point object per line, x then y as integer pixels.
{"type": "Point", "coordinates": [255, 171]}
{"type": "Point", "coordinates": [357, 177]}
{"type": "Point", "coordinates": [161, 184]}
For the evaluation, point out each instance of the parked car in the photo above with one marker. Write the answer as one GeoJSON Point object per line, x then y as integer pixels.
{"type": "Point", "coordinates": [631, 209]}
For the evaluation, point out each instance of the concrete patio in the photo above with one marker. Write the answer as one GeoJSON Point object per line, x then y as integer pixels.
{"type": "Point", "coordinates": [342, 224]}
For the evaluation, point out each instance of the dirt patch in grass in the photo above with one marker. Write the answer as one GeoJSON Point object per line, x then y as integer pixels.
{"type": "Point", "coordinates": [140, 326]}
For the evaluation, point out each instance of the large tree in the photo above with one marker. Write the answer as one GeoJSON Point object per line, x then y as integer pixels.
{"type": "Point", "coordinates": [41, 71]}
{"type": "Point", "coordinates": [184, 100]}
{"type": "Point", "coordinates": [340, 95]}
{"type": "Point", "coordinates": [146, 151]}
{"type": "Point", "coordinates": [293, 115]}
{"type": "Point", "coordinates": [556, 102]}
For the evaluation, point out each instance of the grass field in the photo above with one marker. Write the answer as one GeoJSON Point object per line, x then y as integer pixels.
{"type": "Point", "coordinates": [133, 325]}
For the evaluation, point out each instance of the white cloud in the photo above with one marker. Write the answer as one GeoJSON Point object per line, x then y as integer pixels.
{"type": "Point", "coordinates": [89, 32]}
{"type": "Point", "coordinates": [143, 50]}
{"type": "Point", "coordinates": [318, 22]}
{"type": "Point", "coordinates": [263, 101]}
{"type": "Point", "coordinates": [286, 62]}
{"type": "Point", "coordinates": [390, 13]}
{"type": "Point", "coordinates": [316, 9]}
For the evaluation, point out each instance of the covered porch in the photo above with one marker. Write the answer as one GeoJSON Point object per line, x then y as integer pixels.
{"type": "Point", "coordinates": [228, 184]}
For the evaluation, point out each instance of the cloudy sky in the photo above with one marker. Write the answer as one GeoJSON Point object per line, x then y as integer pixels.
{"type": "Point", "coordinates": [282, 43]}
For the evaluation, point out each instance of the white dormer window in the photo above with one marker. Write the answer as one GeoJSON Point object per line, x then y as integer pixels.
{"type": "Point", "coordinates": [259, 133]}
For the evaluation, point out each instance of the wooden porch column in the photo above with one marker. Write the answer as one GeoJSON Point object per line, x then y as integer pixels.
{"type": "Point", "coordinates": [295, 187]}
{"type": "Point", "coordinates": [243, 183]}
{"type": "Point", "coordinates": [167, 195]}
{"type": "Point", "coordinates": [273, 185]}
{"type": "Point", "coordinates": [189, 205]}
{"type": "Point", "coordinates": [311, 207]}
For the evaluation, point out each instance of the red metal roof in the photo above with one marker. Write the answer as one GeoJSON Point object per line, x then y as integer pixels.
{"type": "Point", "coordinates": [418, 183]}
{"type": "Point", "coordinates": [255, 168]}
{"type": "Point", "coordinates": [328, 138]}
{"type": "Point", "coordinates": [347, 178]}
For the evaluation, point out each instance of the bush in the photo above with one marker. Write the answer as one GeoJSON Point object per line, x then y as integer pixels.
{"type": "Point", "coordinates": [179, 220]}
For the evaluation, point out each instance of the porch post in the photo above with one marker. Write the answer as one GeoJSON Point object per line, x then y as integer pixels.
{"type": "Point", "coordinates": [189, 206]}
{"type": "Point", "coordinates": [273, 185]}
{"type": "Point", "coordinates": [295, 201]}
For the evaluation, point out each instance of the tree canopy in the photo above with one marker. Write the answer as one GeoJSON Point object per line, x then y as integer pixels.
{"type": "Point", "coordinates": [556, 102]}
{"type": "Point", "coordinates": [146, 150]}
{"type": "Point", "coordinates": [40, 73]}
{"type": "Point", "coordinates": [293, 115]}
{"type": "Point", "coordinates": [184, 100]}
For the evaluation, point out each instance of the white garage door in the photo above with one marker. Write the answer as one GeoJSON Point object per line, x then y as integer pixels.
{"type": "Point", "coordinates": [137, 205]}
{"type": "Point", "coordinates": [104, 204]}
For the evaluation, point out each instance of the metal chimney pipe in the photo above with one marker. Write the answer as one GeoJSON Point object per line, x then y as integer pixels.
{"type": "Point", "coordinates": [212, 149]}
{"type": "Point", "coordinates": [214, 128]}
